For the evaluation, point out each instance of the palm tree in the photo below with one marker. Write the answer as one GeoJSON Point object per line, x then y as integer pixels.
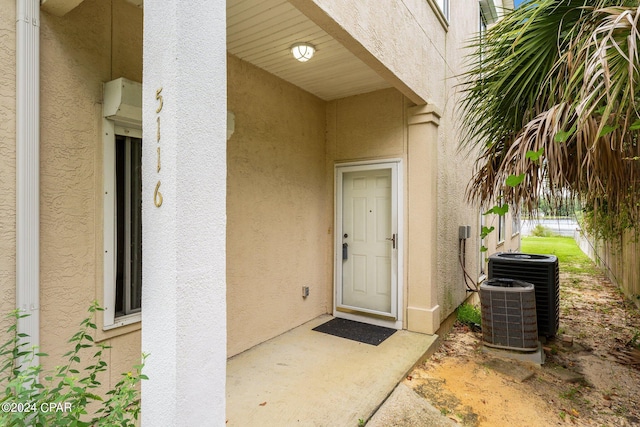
{"type": "Point", "coordinates": [551, 107]}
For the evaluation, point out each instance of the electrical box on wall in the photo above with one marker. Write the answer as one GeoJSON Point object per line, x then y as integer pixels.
{"type": "Point", "coordinates": [305, 291]}
{"type": "Point", "coordinates": [464, 232]}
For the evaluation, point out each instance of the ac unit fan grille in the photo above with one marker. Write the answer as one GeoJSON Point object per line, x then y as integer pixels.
{"type": "Point", "coordinates": [509, 315]}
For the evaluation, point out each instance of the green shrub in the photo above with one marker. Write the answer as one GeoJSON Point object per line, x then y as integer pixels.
{"type": "Point", "coordinates": [469, 315]}
{"type": "Point", "coordinates": [542, 231]}
{"type": "Point", "coordinates": [35, 398]}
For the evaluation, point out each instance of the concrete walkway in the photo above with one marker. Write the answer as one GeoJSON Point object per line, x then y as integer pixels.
{"type": "Point", "coordinates": [405, 408]}
{"type": "Point", "coordinates": [308, 378]}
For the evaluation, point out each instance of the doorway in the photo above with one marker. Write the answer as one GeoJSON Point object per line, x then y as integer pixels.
{"type": "Point", "coordinates": [368, 243]}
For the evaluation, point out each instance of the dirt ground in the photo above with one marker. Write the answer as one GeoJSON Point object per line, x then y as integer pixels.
{"type": "Point", "coordinates": [591, 376]}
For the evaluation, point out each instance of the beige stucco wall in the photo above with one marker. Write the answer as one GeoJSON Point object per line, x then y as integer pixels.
{"type": "Point", "coordinates": [278, 232]}
{"type": "Point", "coordinates": [455, 171]}
{"type": "Point", "coordinates": [367, 126]}
{"type": "Point", "coordinates": [97, 41]}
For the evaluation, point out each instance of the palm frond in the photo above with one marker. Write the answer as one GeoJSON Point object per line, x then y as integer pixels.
{"type": "Point", "coordinates": [561, 76]}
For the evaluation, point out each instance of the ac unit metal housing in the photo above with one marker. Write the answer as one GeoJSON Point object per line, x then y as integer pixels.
{"type": "Point", "coordinates": [540, 270]}
{"type": "Point", "coordinates": [509, 314]}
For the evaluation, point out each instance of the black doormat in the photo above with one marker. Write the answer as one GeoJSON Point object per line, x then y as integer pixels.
{"type": "Point", "coordinates": [356, 331]}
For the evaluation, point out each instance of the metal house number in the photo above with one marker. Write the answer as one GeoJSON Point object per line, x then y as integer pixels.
{"type": "Point", "coordinates": [157, 195]}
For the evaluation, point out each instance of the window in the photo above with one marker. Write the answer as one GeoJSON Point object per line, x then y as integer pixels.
{"type": "Point", "coordinates": [482, 34]}
{"type": "Point", "coordinates": [501, 228]}
{"type": "Point", "coordinates": [122, 214]}
{"type": "Point", "coordinates": [128, 298]}
{"type": "Point", "coordinates": [123, 230]}
{"type": "Point", "coordinates": [515, 224]}
{"type": "Point", "coordinates": [444, 7]}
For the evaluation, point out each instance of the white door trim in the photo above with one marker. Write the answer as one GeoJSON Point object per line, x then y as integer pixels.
{"type": "Point", "coordinates": [397, 207]}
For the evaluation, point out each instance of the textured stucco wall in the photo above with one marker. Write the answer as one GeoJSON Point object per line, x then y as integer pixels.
{"type": "Point", "coordinates": [184, 261]}
{"type": "Point", "coordinates": [78, 54]}
{"type": "Point", "coordinates": [7, 160]}
{"type": "Point", "coordinates": [454, 171]}
{"type": "Point", "coordinates": [366, 126]}
{"type": "Point", "coordinates": [278, 235]}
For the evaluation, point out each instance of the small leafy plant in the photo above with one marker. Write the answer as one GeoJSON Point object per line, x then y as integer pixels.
{"type": "Point", "coordinates": [469, 315]}
{"type": "Point", "coordinates": [31, 397]}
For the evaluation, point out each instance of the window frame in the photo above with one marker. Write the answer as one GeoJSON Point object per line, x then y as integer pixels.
{"type": "Point", "coordinates": [110, 319]}
{"type": "Point", "coordinates": [482, 33]}
{"type": "Point", "coordinates": [441, 12]}
{"type": "Point", "coordinates": [444, 8]}
{"type": "Point", "coordinates": [482, 243]}
{"type": "Point", "coordinates": [128, 253]}
{"type": "Point", "coordinates": [501, 229]}
{"type": "Point", "coordinates": [515, 224]}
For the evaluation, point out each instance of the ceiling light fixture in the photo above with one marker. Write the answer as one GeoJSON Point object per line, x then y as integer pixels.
{"type": "Point", "coordinates": [303, 51]}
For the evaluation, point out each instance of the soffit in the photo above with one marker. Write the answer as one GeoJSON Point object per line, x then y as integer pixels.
{"type": "Point", "coordinates": [261, 33]}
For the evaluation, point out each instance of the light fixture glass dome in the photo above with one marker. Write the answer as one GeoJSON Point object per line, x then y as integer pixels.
{"type": "Point", "coordinates": [303, 51]}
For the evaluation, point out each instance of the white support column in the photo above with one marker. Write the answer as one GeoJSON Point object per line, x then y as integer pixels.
{"type": "Point", "coordinates": [28, 168]}
{"type": "Point", "coordinates": [184, 161]}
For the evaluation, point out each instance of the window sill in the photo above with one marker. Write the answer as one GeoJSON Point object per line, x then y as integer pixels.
{"type": "Point", "coordinates": [123, 321]}
{"type": "Point", "coordinates": [123, 325]}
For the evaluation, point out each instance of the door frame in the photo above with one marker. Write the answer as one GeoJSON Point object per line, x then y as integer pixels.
{"type": "Point", "coordinates": [395, 319]}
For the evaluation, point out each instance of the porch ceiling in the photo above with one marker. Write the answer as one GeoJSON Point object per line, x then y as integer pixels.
{"type": "Point", "coordinates": [261, 33]}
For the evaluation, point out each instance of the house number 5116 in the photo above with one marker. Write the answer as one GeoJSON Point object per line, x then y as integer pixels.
{"type": "Point", "coordinates": [157, 195]}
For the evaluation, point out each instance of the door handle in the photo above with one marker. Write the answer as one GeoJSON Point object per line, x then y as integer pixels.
{"type": "Point", "coordinates": [393, 240]}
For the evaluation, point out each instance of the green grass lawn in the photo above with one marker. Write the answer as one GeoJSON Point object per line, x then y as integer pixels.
{"type": "Point", "coordinates": [571, 258]}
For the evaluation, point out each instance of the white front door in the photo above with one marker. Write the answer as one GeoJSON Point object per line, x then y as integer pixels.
{"type": "Point", "coordinates": [367, 240]}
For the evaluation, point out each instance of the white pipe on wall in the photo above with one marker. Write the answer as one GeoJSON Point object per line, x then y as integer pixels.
{"type": "Point", "coordinates": [28, 167]}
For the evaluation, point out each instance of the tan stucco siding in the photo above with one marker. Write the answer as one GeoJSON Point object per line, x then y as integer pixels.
{"type": "Point", "coordinates": [7, 160]}
{"type": "Point", "coordinates": [455, 171]}
{"type": "Point", "coordinates": [277, 227]}
{"type": "Point", "coordinates": [79, 53]}
{"type": "Point", "coordinates": [366, 126]}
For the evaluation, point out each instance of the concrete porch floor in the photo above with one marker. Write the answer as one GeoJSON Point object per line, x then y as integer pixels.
{"type": "Point", "coordinates": [308, 378]}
